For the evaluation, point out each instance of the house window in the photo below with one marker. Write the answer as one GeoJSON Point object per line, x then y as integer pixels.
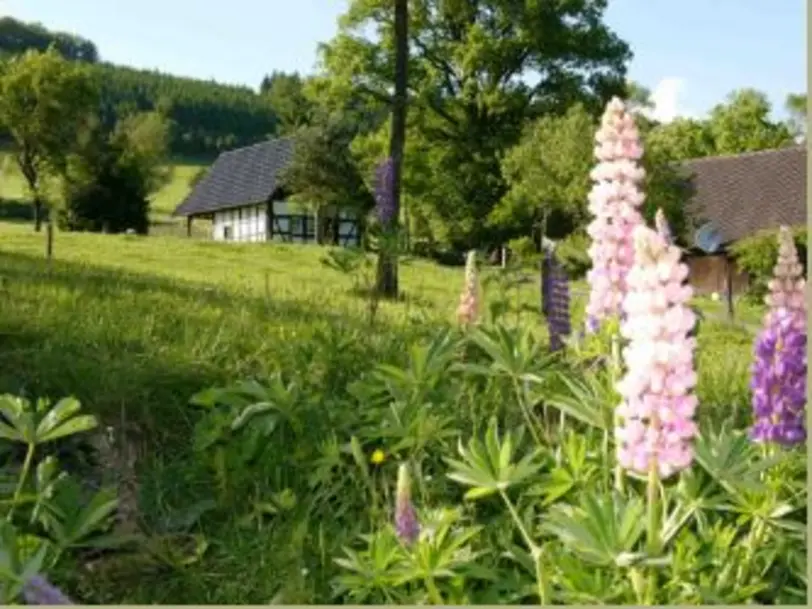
{"type": "Point", "coordinates": [296, 226]}
{"type": "Point", "coordinates": [227, 235]}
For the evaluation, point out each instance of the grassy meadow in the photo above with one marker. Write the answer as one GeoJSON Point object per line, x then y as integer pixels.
{"type": "Point", "coordinates": [135, 326]}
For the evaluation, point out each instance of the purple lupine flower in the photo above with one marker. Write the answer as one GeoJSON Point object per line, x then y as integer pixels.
{"type": "Point", "coordinates": [778, 382]}
{"type": "Point", "coordinates": [406, 524]}
{"type": "Point", "coordinates": [385, 191]}
{"type": "Point", "coordinates": [37, 591]}
{"type": "Point", "coordinates": [555, 299]}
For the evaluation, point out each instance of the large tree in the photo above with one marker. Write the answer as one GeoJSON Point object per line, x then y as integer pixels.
{"type": "Point", "coordinates": [477, 70]}
{"type": "Point", "coordinates": [387, 280]}
{"type": "Point", "coordinates": [795, 105]}
{"type": "Point", "coordinates": [44, 102]}
{"type": "Point", "coordinates": [743, 124]}
{"type": "Point", "coordinates": [286, 95]}
{"type": "Point", "coordinates": [548, 174]}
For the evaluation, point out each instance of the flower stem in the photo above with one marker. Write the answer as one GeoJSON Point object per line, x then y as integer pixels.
{"type": "Point", "coordinates": [521, 396]}
{"type": "Point", "coordinates": [434, 593]}
{"type": "Point", "coordinates": [654, 524]}
{"type": "Point", "coordinates": [29, 457]}
{"type": "Point", "coordinates": [535, 550]}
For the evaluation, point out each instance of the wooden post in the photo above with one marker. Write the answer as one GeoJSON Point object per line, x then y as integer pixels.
{"type": "Point", "coordinates": [188, 226]}
{"type": "Point", "coordinates": [49, 240]}
{"type": "Point", "coordinates": [729, 286]}
{"type": "Point", "coordinates": [269, 221]}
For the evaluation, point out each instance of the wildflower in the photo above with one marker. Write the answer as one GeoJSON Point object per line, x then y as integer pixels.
{"type": "Point", "coordinates": [787, 287]}
{"type": "Point", "coordinates": [555, 299]}
{"type": "Point", "coordinates": [468, 309]}
{"type": "Point", "coordinates": [613, 202]}
{"type": "Point", "coordinates": [377, 457]}
{"type": "Point", "coordinates": [37, 591]}
{"type": "Point", "coordinates": [661, 224]}
{"type": "Point", "coordinates": [656, 425]}
{"type": "Point", "coordinates": [385, 191]}
{"type": "Point", "coordinates": [778, 380]}
{"type": "Point", "coordinates": [406, 524]}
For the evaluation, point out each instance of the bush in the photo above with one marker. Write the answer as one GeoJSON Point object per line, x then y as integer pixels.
{"type": "Point", "coordinates": [757, 255]}
{"type": "Point", "coordinates": [572, 254]}
{"type": "Point", "coordinates": [112, 174]}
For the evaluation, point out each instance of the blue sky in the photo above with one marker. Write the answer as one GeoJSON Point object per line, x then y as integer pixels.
{"type": "Point", "coordinates": [691, 53]}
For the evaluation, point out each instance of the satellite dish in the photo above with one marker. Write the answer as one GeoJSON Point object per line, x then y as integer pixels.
{"type": "Point", "coordinates": [708, 238]}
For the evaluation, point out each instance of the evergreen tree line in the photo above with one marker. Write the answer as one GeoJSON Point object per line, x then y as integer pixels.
{"type": "Point", "coordinates": [206, 117]}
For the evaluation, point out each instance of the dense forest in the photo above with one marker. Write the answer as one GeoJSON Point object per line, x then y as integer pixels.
{"type": "Point", "coordinates": [207, 117]}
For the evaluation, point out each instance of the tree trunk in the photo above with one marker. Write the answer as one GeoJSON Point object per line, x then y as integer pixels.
{"type": "Point", "coordinates": [38, 209]}
{"type": "Point", "coordinates": [387, 262]}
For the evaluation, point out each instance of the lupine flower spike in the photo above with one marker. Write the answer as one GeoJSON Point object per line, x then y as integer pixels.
{"type": "Point", "coordinates": [406, 524]}
{"type": "Point", "coordinates": [787, 287]}
{"type": "Point", "coordinates": [555, 298]}
{"type": "Point", "coordinates": [613, 202]}
{"type": "Point", "coordinates": [662, 227]}
{"type": "Point", "coordinates": [37, 591]}
{"type": "Point", "coordinates": [778, 381]}
{"type": "Point", "coordinates": [468, 309]}
{"type": "Point", "coordinates": [385, 191]}
{"type": "Point", "coordinates": [656, 427]}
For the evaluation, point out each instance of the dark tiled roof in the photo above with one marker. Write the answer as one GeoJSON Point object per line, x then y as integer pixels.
{"type": "Point", "coordinates": [239, 177]}
{"type": "Point", "coordinates": [746, 193]}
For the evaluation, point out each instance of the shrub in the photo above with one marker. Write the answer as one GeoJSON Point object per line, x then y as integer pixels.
{"type": "Point", "coordinates": [572, 254]}
{"type": "Point", "coordinates": [757, 255]}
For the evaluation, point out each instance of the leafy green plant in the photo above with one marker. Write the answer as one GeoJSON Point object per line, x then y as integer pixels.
{"type": "Point", "coordinates": [48, 513]}
{"type": "Point", "coordinates": [756, 255]}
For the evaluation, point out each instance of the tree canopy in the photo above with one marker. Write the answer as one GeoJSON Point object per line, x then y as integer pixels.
{"type": "Point", "coordinates": [477, 71]}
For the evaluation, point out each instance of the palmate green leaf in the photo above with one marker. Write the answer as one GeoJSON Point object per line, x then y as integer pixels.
{"type": "Point", "coordinates": [603, 531]}
{"type": "Point", "coordinates": [731, 459]}
{"type": "Point", "coordinates": [489, 466]}
{"type": "Point", "coordinates": [19, 414]}
{"type": "Point", "coordinates": [63, 420]}
{"type": "Point", "coordinates": [586, 398]}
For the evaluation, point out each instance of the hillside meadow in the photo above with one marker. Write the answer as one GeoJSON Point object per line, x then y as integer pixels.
{"type": "Point", "coordinates": [144, 330]}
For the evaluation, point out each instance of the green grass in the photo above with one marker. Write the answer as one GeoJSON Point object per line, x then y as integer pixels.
{"type": "Point", "coordinates": [134, 326]}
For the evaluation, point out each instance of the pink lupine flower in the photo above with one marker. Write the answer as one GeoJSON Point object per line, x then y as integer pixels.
{"type": "Point", "coordinates": [468, 309]}
{"type": "Point", "coordinates": [656, 425]}
{"type": "Point", "coordinates": [614, 202]}
{"type": "Point", "coordinates": [787, 288]}
{"type": "Point", "coordinates": [661, 224]}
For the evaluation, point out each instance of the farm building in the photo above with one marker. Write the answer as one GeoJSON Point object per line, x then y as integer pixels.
{"type": "Point", "coordinates": [741, 195]}
{"type": "Point", "coordinates": [242, 196]}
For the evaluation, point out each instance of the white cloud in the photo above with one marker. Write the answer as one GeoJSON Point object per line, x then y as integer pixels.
{"type": "Point", "coordinates": [665, 98]}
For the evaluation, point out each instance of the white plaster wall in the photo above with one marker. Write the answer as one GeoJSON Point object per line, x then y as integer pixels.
{"type": "Point", "coordinates": [249, 223]}
{"type": "Point", "coordinates": [244, 224]}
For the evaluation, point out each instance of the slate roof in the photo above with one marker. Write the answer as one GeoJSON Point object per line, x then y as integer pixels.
{"type": "Point", "coordinates": [746, 193]}
{"type": "Point", "coordinates": [239, 177]}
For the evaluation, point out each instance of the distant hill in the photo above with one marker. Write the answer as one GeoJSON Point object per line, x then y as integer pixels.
{"type": "Point", "coordinates": [209, 117]}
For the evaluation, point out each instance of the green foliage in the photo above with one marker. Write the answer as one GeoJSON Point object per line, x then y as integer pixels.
{"type": "Point", "coordinates": [323, 173]}
{"type": "Point", "coordinates": [17, 37]}
{"type": "Point", "coordinates": [287, 97]}
{"type": "Point", "coordinates": [112, 175]}
{"type": "Point", "coordinates": [280, 470]}
{"type": "Point", "coordinates": [744, 125]}
{"type": "Point", "coordinates": [468, 105]}
{"type": "Point", "coordinates": [756, 255]}
{"type": "Point", "coordinates": [548, 174]}
{"type": "Point", "coordinates": [208, 117]}
{"type": "Point", "coordinates": [572, 252]}
{"type": "Point", "coordinates": [44, 101]}
{"type": "Point", "coordinates": [48, 513]}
